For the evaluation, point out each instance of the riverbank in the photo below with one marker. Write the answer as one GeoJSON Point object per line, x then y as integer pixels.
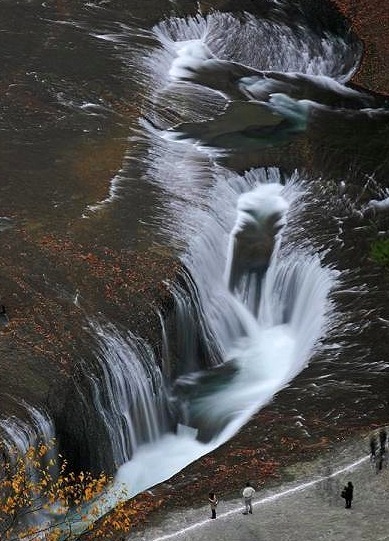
{"type": "Point", "coordinates": [273, 449]}
{"type": "Point", "coordinates": [308, 506]}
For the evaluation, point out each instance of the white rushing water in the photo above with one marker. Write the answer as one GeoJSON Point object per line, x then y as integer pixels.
{"type": "Point", "coordinates": [268, 344]}
{"type": "Point", "coordinates": [19, 436]}
{"type": "Point", "coordinates": [129, 393]}
{"type": "Point", "coordinates": [23, 435]}
{"type": "Point", "coordinates": [149, 56]}
{"type": "Point", "coordinates": [259, 303]}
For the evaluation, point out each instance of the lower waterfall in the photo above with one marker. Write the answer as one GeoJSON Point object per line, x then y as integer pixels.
{"type": "Point", "coordinates": [262, 347]}
{"type": "Point", "coordinates": [19, 436]}
{"type": "Point", "coordinates": [251, 352]}
{"type": "Point", "coordinates": [129, 392]}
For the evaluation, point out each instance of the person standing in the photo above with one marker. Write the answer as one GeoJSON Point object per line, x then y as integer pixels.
{"type": "Point", "coordinates": [248, 493]}
{"type": "Point", "coordinates": [383, 437]}
{"type": "Point", "coordinates": [373, 448]}
{"type": "Point", "coordinates": [213, 503]}
{"type": "Point", "coordinates": [4, 319]}
{"type": "Point", "coordinates": [380, 459]}
{"type": "Point", "coordinates": [348, 494]}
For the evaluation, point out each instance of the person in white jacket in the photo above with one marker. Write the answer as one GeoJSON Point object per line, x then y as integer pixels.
{"type": "Point", "coordinates": [248, 493]}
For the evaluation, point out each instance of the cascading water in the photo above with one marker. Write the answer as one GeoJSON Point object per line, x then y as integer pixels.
{"type": "Point", "coordinates": [20, 436]}
{"type": "Point", "coordinates": [129, 392]}
{"type": "Point", "coordinates": [260, 300]}
{"type": "Point", "coordinates": [265, 351]}
{"type": "Point", "coordinates": [253, 351]}
{"type": "Point", "coordinates": [261, 306]}
{"type": "Point", "coordinates": [253, 237]}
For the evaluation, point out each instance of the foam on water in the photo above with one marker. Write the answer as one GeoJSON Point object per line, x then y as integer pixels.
{"type": "Point", "coordinates": [278, 47]}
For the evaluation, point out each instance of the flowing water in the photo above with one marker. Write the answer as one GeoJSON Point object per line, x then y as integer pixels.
{"type": "Point", "coordinates": [189, 105]}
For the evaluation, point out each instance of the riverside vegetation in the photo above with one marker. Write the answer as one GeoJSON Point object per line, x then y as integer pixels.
{"type": "Point", "coordinates": [41, 499]}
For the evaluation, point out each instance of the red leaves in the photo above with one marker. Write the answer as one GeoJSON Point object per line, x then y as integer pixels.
{"type": "Point", "coordinates": [122, 274]}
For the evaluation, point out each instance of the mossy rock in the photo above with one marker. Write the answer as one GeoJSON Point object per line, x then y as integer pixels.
{"type": "Point", "coordinates": [380, 251]}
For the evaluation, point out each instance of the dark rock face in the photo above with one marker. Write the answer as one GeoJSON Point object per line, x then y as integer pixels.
{"type": "Point", "coordinates": [46, 348]}
{"type": "Point", "coordinates": [81, 433]}
{"type": "Point", "coordinates": [369, 19]}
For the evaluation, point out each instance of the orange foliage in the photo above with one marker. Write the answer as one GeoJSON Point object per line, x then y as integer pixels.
{"type": "Point", "coordinates": [36, 483]}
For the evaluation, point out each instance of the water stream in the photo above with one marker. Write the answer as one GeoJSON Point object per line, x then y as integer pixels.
{"type": "Point", "coordinates": [252, 351]}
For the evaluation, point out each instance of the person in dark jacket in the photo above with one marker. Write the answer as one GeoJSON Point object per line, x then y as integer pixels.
{"type": "Point", "coordinates": [348, 493]}
{"type": "Point", "coordinates": [380, 459]}
{"type": "Point", "coordinates": [213, 503]}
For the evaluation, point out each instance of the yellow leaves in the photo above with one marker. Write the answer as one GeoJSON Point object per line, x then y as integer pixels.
{"type": "Point", "coordinates": [88, 494]}
{"type": "Point", "coordinates": [54, 535]}
{"type": "Point", "coordinates": [37, 481]}
{"type": "Point", "coordinates": [42, 450]}
{"type": "Point", "coordinates": [15, 484]}
{"type": "Point", "coordinates": [131, 512]}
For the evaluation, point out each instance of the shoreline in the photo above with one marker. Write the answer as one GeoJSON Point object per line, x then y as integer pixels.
{"type": "Point", "coordinates": [324, 474]}
{"type": "Point", "coordinates": [280, 461]}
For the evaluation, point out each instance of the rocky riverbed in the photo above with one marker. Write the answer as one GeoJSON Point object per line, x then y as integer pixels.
{"type": "Point", "coordinates": [369, 19]}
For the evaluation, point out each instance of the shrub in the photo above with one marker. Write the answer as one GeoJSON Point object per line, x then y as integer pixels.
{"type": "Point", "coordinates": [380, 251]}
{"type": "Point", "coordinates": [39, 499]}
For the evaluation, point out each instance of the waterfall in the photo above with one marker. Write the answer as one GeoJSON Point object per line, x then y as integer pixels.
{"type": "Point", "coordinates": [251, 305]}
{"type": "Point", "coordinates": [252, 345]}
{"type": "Point", "coordinates": [262, 347]}
{"type": "Point", "coordinates": [278, 46]}
{"type": "Point", "coordinates": [128, 391]}
{"type": "Point", "coordinates": [20, 436]}
{"type": "Point", "coordinates": [260, 216]}
{"type": "Point", "coordinates": [247, 315]}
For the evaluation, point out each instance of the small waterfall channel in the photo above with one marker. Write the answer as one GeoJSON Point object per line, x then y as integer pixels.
{"type": "Point", "coordinates": [19, 436]}
{"type": "Point", "coordinates": [129, 393]}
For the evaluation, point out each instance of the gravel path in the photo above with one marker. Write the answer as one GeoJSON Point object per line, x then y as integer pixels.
{"type": "Point", "coordinates": [307, 509]}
